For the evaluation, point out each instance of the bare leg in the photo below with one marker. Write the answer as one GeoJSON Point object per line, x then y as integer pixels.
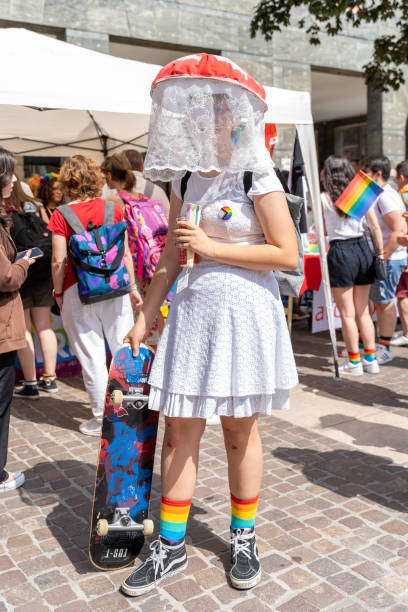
{"type": "Point", "coordinates": [244, 453]}
{"type": "Point", "coordinates": [387, 318]}
{"type": "Point", "coordinates": [403, 312]}
{"type": "Point", "coordinates": [343, 296]}
{"type": "Point", "coordinates": [46, 335]}
{"type": "Point", "coordinates": [363, 317]}
{"type": "Point", "coordinates": [179, 459]}
{"type": "Point", "coordinates": [27, 355]}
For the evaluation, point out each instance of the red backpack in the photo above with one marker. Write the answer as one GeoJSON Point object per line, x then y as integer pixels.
{"type": "Point", "coordinates": [147, 231]}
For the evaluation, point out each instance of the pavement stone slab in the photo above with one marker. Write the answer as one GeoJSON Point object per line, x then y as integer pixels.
{"type": "Point", "coordinates": [331, 527]}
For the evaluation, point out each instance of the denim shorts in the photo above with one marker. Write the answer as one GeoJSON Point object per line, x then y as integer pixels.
{"type": "Point", "coordinates": [383, 292]}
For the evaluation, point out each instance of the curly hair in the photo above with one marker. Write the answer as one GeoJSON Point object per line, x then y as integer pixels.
{"type": "Point", "coordinates": [338, 172]}
{"type": "Point", "coordinates": [81, 178]}
{"type": "Point", "coordinates": [6, 176]}
{"type": "Point", "coordinates": [120, 169]}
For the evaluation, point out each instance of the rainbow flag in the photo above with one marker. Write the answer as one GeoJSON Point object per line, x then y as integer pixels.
{"type": "Point", "coordinates": [359, 196]}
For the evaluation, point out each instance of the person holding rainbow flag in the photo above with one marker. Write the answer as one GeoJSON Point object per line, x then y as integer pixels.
{"type": "Point", "coordinates": [225, 348]}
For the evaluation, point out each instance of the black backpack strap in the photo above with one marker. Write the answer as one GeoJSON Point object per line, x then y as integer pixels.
{"type": "Point", "coordinates": [71, 218]}
{"type": "Point", "coordinates": [247, 180]}
{"type": "Point", "coordinates": [109, 213]}
{"type": "Point", "coordinates": [183, 186]}
{"type": "Point", "coordinates": [282, 180]}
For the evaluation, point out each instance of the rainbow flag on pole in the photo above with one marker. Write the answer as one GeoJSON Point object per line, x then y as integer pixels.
{"type": "Point", "coordinates": [359, 196]}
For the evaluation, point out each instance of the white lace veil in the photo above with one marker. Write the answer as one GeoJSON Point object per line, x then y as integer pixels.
{"type": "Point", "coordinates": [203, 124]}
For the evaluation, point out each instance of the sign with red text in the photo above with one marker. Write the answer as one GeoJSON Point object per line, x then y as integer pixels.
{"type": "Point", "coordinates": [319, 312]}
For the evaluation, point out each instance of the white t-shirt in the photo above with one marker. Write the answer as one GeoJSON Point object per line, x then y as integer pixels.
{"type": "Point", "coordinates": [389, 201]}
{"type": "Point", "coordinates": [339, 228]}
{"type": "Point", "coordinates": [227, 186]}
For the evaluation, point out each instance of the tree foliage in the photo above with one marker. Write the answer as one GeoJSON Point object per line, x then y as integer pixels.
{"type": "Point", "coordinates": [390, 53]}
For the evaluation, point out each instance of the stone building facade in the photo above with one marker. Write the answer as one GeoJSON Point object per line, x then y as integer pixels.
{"type": "Point", "coordinates": [179, 27]}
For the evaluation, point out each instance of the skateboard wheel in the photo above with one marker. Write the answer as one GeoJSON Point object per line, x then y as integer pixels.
{"type": "Point", "coordinates": [148, 527]}
{"type": "Point", "coordinates": [102, 527]}
{"type": "Point", "coordinates": [117, 397]}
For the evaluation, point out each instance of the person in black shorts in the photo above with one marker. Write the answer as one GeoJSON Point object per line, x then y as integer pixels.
{"type": "Point", "coordinates": [351, 267]}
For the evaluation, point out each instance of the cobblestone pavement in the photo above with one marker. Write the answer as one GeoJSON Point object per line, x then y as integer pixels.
{"type": "Point", "coordinates": [331, 527]}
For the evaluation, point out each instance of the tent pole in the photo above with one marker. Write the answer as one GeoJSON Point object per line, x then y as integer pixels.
{"type": "Point", "coordinates": [307, 145]}
{"type": "Point", "coordinates": [102, 137]}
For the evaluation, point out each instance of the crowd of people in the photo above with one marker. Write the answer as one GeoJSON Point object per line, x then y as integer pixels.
{"type": "Point", "coordinates": [237, 367]}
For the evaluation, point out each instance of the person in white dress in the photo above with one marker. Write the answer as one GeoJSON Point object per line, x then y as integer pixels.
{"type": "Point", "coordinates": [225, 349]}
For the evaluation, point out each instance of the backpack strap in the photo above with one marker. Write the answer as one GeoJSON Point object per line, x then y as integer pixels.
{"type": "Point", "coordinates": [183, 185]}
{"type": "Point", "coordinates": [247, 180]}
{"type": "Point", "coordinates": [71, 218]}
{"type": "Point", "coordinates": [282, 180]}
{"type": "Point", "coordinates": [148, 190]}
{"type": "Point", "coordinates": [109, 213]}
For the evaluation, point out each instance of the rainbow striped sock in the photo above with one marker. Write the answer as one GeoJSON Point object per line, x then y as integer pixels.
{"type": "Point", "coordinates": [173, 519]}
{"type": "Point", "coordinates": [243, 512]}
{"type": "Point", "coordinates": [385, 341]}
{"type": "Point", "coordinates": [369, 355]}
{"type": "Point", "coordinates": [354, 358]}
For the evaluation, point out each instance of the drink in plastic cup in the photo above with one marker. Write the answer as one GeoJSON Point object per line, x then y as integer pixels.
{"type": "Point", "coordinates": [187, 257]}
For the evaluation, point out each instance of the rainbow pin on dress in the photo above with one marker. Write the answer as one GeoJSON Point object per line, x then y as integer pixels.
{"type": "Point", "coordinates": [225, 213]}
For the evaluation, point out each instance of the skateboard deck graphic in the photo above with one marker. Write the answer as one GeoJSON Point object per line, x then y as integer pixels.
{"type": "Point", "coordinates": [125, 463]}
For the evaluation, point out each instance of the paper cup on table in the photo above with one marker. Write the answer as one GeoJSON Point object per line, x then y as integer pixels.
{"type": "Point", "coordinates": [193, 216]}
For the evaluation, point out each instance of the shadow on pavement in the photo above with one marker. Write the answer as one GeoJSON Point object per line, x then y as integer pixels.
{"type": "Point", "coordinates": [64, 490]}
{"type": "Point", "coordinates": [350, 390]}
{"type": "Point", "coordinates": [352, 473]}
{"type": "Point", "coordinates": [68, 414]}
{"type": "Point", "coordinates": [369, 433]}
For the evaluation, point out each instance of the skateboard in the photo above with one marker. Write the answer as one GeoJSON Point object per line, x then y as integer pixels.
{"type": "Point", "coordinates": [125, 463]}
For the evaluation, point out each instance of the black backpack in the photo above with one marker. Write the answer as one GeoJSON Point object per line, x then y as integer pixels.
{"type": "Point", "coordinates": [30, 231]}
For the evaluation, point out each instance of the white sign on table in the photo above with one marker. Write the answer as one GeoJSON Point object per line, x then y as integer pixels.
{"type": "Point", "coordinates": [319, 312]}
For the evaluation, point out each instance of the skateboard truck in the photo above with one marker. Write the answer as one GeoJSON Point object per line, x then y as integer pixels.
{"type": "Point", "coordinates": [122, 521]}
{"type": "Point", "coordinates": [138, 400]}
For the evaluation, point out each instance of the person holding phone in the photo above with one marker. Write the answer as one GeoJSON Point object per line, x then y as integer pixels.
{"type": "Point", "coordinates": [29, 231]}
{"type": "Point", "coordinates": [12, 329]}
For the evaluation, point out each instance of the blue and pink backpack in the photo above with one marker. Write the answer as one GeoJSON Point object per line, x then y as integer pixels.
{"type": "Point", "coordinates": [97, 254]}
{"type": "Point", "coordinates": [147, 230]}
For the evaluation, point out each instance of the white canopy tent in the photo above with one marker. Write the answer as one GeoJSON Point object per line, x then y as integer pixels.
{"type": "Point", "coordinates": [94, 104]}
{"type": "Point", "coordinates": [74, 101]}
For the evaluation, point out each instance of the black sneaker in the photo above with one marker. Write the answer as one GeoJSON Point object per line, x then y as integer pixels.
{"type": "Point", "coordinates": [245, 570]}
{"type": "Point", "coordinates": [28, 390]}
{"type": "Point", "coordinates": [166, 559]}
{"type": "Point", "coordinates": [48, 383]}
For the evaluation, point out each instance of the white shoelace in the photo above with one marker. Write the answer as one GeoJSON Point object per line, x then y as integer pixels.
{"type": "Point", "coordinates": [241, 542]}
{"type": "Point", "coordinates": [158, 556]}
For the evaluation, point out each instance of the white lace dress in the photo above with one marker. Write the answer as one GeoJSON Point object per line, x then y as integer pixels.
{"type": "Point", "coordinates": [225, 348]}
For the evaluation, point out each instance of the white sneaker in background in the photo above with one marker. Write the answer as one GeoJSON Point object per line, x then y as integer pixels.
{"type": "Point", "coordinates": [91, 427]}
{"type": "Point", "coordinates": [352, 369]}
{"type": "Point", "coordinates": [371, 367]}
{"type": "Point", "coordinates": [399, 341]}
{"type": "Point", "coordinates": [383, 355]}
{"type": "Point", "coordinates": [13, 481]}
